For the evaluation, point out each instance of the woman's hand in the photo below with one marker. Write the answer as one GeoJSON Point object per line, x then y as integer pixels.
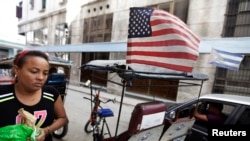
{"type": "Point", "coordinates": [41, 136]}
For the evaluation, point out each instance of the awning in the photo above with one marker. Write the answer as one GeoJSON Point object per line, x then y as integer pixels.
{"type": "Point", "coordinates": [234, 45]}
{"type": "Point", "coordinates": [8, 44]}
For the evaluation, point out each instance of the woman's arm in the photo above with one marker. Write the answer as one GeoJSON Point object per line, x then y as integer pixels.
{"type": "Point", "coordinates": [61, 117]}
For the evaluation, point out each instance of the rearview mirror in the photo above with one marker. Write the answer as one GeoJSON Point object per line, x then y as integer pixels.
{"type": "Point", "coordinates": [172, 114]}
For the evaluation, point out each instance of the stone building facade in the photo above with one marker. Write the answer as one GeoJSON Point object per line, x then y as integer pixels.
{"type": "Point", "coordinates": [60, 22]}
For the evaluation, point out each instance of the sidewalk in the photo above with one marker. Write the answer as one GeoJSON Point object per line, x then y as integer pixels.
{"type": "Point", "coordinates": [78, 110]}
{"type": "Point", "coordinates": [126, 99]}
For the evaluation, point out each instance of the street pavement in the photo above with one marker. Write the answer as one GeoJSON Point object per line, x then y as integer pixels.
{"type": "Point", "coordinates": [78, 111]}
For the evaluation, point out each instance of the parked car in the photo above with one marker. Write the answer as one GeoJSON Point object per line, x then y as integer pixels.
{"type": "Point", "coordinates": [182, 125]}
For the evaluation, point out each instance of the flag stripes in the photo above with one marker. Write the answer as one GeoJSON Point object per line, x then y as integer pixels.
{"type": "Point", "coordinates": [159, 39]}
{"type": "Point", "coordinates": [163, 54]}
{"type": "Point", "coordinates": [225, 59]}
{"type": "Point", "coordinates": [180, 66]}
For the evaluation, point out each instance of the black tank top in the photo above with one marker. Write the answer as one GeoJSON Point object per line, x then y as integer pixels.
{"type": "Point", "coordinates": [43, 110]}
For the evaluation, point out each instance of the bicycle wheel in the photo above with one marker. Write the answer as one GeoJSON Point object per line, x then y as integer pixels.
{"type": "Point", "coordinates": [61, 132]}
{"type": "Point", "coordinates": [88, 128]}
{"type": "Point", "coordinates": [97, 137]}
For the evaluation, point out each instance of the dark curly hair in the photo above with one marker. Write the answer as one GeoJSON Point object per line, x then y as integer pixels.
{"type": "Point", "coordinates": [20, 58]}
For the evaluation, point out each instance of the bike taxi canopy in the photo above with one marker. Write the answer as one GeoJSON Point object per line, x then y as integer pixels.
{"type": "Point", "coordinates": [129, 71]}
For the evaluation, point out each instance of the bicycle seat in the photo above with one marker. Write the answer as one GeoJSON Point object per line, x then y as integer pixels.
{"type": "Point", "coordinates": [105, 112]}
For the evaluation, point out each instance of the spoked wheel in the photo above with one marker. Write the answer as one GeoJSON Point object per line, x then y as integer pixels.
{"type": "Point", "coordinates": [61, 132]}
{"type": "Point", "coordinates": [88, 128]}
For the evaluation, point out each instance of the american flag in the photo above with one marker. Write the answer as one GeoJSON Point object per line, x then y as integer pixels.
{"type": "Point", "coordinates": [159, 41]}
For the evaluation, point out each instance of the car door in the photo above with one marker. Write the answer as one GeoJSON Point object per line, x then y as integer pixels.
{"type": "Point", "coordinates": [180, 125]}
{"type": "Point", "coordinates": [200, 129]}
{"type": "Point", "coordinates": [243, 116]}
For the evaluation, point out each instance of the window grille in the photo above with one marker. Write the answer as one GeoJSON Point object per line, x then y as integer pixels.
{"type": "Point", "coordinates": [237, 24]}
{"type": "Point", "coordinates": [233, 82]}
{"type": "Point", "coordinates": [244, 6]}
{"type": "Point", "coordinates": [96, 29]}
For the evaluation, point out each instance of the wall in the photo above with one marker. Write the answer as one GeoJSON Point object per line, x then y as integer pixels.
{"type": "Point", "coordinates": [205, 18]}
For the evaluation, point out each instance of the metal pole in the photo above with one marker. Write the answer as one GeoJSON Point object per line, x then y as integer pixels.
{"type": "Point", "coordinates": [119, 114]}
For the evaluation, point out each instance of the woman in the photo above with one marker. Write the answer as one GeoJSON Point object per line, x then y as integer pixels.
{"type": "Point", "coordinates": [31, 70]}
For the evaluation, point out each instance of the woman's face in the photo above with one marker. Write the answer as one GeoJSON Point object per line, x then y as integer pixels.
{"type": "Point", "coordinates": [33, 74]}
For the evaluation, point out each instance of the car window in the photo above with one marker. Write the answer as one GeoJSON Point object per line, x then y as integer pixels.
{"type": "Point", "coordinates": [244, 118]}
{"type": "Point", "coordinates": [186, 111]}
{"type": "Point", "coordinates": [227, 109]}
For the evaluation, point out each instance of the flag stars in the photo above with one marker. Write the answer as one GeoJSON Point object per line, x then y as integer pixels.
{"type": "Point", "coordinates": [152, 34]}
{"type": "Point", "coordinates": [139, 23]}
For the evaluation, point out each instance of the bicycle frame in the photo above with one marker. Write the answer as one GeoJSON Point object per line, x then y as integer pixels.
{"type": "Point", "coordinates": [98, 116]}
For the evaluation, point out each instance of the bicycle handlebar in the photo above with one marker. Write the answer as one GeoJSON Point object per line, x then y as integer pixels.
{"type": "Point", "coordinates": [109, 100]}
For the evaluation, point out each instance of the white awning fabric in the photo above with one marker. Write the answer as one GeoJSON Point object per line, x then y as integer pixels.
{"type": "Point", "coordinates": [234, 45]}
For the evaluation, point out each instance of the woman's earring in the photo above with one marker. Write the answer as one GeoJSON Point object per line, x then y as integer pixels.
{"type": "Point", "coordinates": [15, 78]}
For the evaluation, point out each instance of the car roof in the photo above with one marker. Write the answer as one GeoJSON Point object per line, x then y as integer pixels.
{"type": "Point", "coordinates": [245, 100]}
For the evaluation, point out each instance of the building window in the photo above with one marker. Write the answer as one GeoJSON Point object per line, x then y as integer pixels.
{"type": "Point", "coordinates": [61, 34]}
{"type": "Point", "coordinates": [43, 4]}
{"type": "Point", "coordinates": [244, 6]}
{"type": "Point", "coordinates": [232, 82]}
{"type": "Point", "coordinates": [183, 5]}
{"type": "Point", "coordinates": [174, 8]}
{"type": "Point", "coordinates": [96, 29]}
{"type": "Point", "coordinates": [19, 10]}
{"type": "Point", "coordinates": [61, 38]}
{"type": "Point", "coordinates": [237, 24]}
{"type": "Point", "coordinates": [37, 37]}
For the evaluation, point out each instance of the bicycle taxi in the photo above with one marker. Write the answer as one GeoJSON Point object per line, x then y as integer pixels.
{"type": "Point", "coordinates": [58, 79]}
{"type": "Point", "coordinates": [147, 120]}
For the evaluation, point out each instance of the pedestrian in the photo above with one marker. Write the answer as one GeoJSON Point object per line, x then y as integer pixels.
{"type": "Point", "coordinates": [31, 69]}
{"type": "Point", "coordinates": [52, 70]}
